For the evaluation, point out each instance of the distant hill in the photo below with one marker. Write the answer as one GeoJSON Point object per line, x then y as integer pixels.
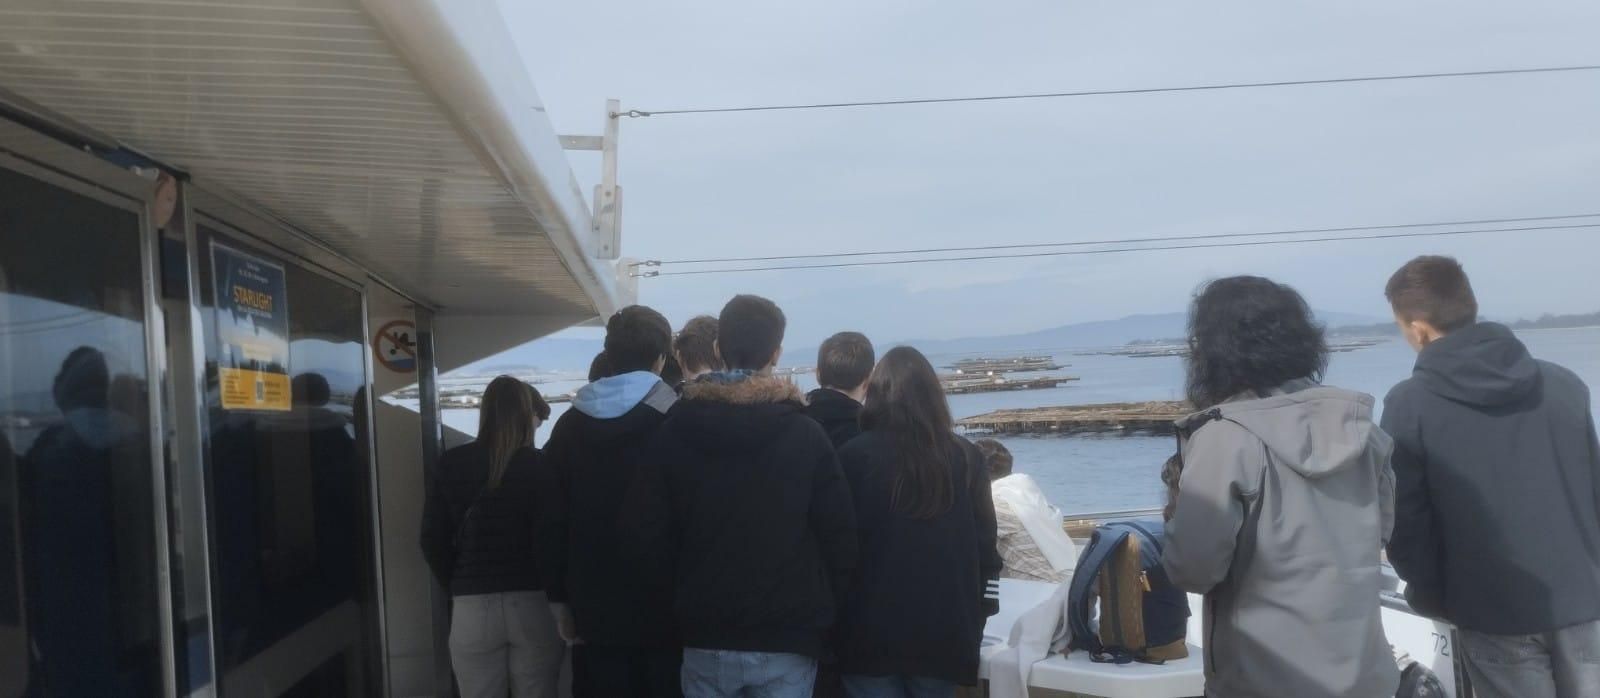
{"type": "Point", "coordinates": [1104, 333]}
{"type": "Point", "coordinates": [1558, 322]}
{"type": "Point", "coordinates": [1547, 321]}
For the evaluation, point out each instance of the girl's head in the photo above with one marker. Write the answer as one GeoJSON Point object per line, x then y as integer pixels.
{"type": "Point", "coordinates": [906, 401]}
{"type": "Point", "coordinates": [1250, 335]}
{"type": "Point", "coordinates": [506, 422]}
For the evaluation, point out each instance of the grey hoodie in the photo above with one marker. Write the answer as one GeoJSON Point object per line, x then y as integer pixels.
{"type": "Point", "coordinates": [1283, 506]}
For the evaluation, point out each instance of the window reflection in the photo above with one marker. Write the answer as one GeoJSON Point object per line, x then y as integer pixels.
{"type": "Point", "coordinates": [76, 501]}
{"type": "Point", "coordinates": [291, 520]}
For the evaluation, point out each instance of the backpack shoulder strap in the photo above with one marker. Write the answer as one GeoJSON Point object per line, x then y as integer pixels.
{"type": "Point", "coordinates": [1101, 546]}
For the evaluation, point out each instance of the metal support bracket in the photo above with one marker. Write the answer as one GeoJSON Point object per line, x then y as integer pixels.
{"type": "Point", "coordinates": [606, 210]}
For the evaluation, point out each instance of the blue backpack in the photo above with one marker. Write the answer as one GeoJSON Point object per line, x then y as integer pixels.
{"type": "Point", "coordinates": [1143, 617]}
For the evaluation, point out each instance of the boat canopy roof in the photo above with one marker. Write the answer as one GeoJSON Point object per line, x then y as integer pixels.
{"type": "Point", "coordinates": [404, 135]}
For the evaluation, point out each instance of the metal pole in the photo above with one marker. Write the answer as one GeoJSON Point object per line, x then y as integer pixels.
{"type": "Point", "coordinates": [607, 195]}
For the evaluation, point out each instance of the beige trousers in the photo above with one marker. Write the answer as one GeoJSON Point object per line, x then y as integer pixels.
{"type": "Point", "coordinates": [505, 644]}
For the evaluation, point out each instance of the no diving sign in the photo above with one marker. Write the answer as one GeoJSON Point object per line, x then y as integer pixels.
{"type": "Point", "coordinates": [395, 346]}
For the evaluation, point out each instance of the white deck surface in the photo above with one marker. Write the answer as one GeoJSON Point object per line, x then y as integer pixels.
{"type": "Point", "coordinates": [1076, 673]}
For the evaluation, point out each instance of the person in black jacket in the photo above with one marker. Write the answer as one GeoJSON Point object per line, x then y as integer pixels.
{"type": "Point", "coordinates": [630, 647]}
{"type": "Point", "coordinates": [477, 535]}
{"type": "Point", "coordinates": [1497, 474]}
{"type": "Point", "coordinates": [844, 362]}
{"type": "Point", "coordinates": [914, 617]}
{"type": "Point", "coordinates": [741, 507]}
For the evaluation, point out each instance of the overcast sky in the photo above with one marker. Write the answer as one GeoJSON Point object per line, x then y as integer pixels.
{"type": "Point", "coordinates": [1082, 168]}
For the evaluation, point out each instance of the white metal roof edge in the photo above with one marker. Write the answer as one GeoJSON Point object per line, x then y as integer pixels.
{"type": "Point", "coordinates": [461, 51]}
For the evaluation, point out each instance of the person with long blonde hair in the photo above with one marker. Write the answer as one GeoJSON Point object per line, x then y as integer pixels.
{"type": "Point", "coordinates": [477, 535]}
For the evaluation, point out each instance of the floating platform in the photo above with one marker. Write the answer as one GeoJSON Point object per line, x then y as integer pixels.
{"type": "Point", "coordinates": [1152, 350]}
{"type": "Point", "coordinates": [1154, 418]}
{"type": "Point", "coordinates": [1019, 364]}
{"type": "Point", "coordinates": [963, 385]}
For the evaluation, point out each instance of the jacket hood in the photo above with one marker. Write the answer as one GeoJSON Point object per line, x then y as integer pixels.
{"type": "Point", "coordinates": [828, 404]}
{"type": "Point", "coordinates": [614, 396]}
{"type": "Point", "coordinates": [735, 411]}
{"type": "Point", "coordinates": [1316, 430]}
{"type": "Point", "coordinates": [1483, 365]}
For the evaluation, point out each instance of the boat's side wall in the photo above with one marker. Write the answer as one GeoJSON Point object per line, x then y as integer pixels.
{"type": "Point", "coordinates": [402, 466]}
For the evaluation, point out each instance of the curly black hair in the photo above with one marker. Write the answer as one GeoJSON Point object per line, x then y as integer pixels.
{"type": "Point", "coordinates": [1250, 335]}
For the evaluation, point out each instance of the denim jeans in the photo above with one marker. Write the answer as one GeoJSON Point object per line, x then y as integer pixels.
{"type": "Point", "coordinates": [730, 674]}
{"type": "Point", "coordinates": [897, 687]}
{"type": "Point", "coordinates": [1560, 664]}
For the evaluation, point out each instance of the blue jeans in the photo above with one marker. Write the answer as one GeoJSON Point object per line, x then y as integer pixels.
{"type": "Point", "coordinates": [897, 687]}
{"type": "Point", "coordinates": [730, 674]}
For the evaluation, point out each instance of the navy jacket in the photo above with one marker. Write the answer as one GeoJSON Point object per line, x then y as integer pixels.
{"type": "Point", "coordinates": [1497, 487]}
{"type": "Point", "coordinates": [839, 414]}
{"type": "Point", "coordinates": [589, 465]}
{"type": "Point", "coordinates": [916, 606]}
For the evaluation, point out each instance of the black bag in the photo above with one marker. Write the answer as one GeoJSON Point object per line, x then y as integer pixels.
{"type": "Point", "coordinates": [1418, 681]}
{"type": "Point", "coordinates": [1143, 617]}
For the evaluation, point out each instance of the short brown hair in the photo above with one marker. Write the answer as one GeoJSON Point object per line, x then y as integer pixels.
{"type": "Point", "coordinates": [696, 345]}
{"type": "Point", "coordinates": [1434, 290]}
{"type": "Point", "coordinates": [996, 456]}
{"type": "Point", "coordinates": [845, 361]}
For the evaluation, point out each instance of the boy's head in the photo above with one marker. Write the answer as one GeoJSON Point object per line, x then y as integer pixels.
{"type": "Point", "coordinates": [750, 333]}
{"type": "Point", "coordinates": [844, 363]}
{"type": "Point", "coordinates": [637, 339]}
{"type": "Point", "coordinates": [1431, 297]}
{"type": "Point", "coordinates": [996, 456]}
{"type": "Point", "coordinates": [696, 347]}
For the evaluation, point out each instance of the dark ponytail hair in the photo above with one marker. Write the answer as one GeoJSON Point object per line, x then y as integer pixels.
{"type": "Point", "coordinates": [905, 400]}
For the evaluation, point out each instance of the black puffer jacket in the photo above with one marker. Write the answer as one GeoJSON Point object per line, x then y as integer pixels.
{"type": "Point", "coordinates": [839, 414]}
{"type": "Point", "coordinates": [740, 506]}
{"type": "Point", "coordinates": [1497, 487]}
{"type": "Point", "coordinates": [496, 551]}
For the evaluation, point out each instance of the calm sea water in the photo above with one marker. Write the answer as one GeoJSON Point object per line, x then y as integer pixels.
{"type": "Point", "coordinates": [1104, 473]}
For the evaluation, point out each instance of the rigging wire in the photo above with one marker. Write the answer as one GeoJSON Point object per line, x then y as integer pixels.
{"type": "Point", "coordinates": [1074, 253]}
{"type": "Point", "coordinates": [1124, 241]}
{"type": "Point", "coordinates": [639, 113]}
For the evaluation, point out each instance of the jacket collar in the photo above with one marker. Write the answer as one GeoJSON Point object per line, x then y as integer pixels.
{"type": "Point", "coordinates": [742, 388]}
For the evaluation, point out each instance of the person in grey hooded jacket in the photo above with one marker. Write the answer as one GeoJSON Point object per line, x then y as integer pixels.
{"type": "Point", "coordinates": [1285, 500]}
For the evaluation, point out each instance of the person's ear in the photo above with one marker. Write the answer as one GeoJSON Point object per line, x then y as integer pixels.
{"type": "Point", "coordinates": [716, 348]}
{"type": "Point", "coordinates": [660, 365]}
{"type": "Point", "coordinates": [777, 356]}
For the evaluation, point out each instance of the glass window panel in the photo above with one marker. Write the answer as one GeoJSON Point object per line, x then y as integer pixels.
{"type": "Point", "coordinates": [77, 527]}
{"type": "Point", "coordinates": [291, 522]}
